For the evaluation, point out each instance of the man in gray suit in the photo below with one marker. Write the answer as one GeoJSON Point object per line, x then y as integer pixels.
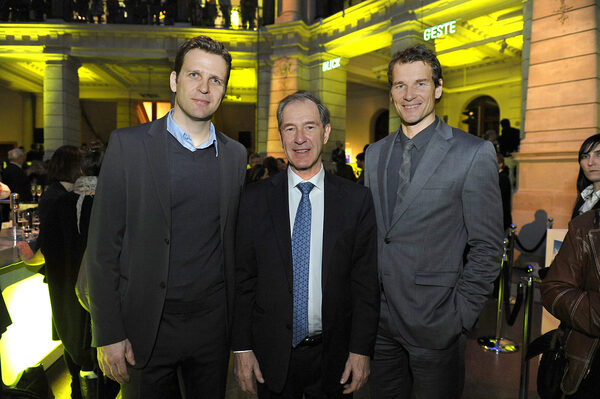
{"type": "Point", "coordinates": [160, 256]}
{"type": "Point", "coordinates": [439, 219]}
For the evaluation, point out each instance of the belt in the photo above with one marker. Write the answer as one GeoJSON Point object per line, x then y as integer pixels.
{"type": "Point", "coordinates": [311, 340]}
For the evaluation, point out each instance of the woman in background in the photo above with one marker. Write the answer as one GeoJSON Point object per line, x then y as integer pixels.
{"type": "Point", "coordinates": [74, 209]}
{"type": "Point", "coordinates": [571, 292]}
{"type": "Point", "coordinates": [64, 168]}
{"type": "Point", "coordinates": [588, 180]}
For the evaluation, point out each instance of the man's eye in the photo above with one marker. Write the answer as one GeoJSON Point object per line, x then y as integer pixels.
{"type": "Point", "coordinates": [216, 81]}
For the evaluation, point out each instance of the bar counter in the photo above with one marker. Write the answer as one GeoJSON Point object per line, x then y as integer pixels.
{"type": "Point", "coordinates": [28, 340]}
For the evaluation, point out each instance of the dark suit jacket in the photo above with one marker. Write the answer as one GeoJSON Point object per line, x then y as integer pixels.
{"type": "Point", "coordinates": [264, 277]}
{"type": "Point", "coordinates": [129, 236]}
{"type": "Point", "coordinates": [16, 178]}
{"type": "Point", "coordinates": [440, 250]}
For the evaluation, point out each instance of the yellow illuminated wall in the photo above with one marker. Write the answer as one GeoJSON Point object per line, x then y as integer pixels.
{"type": "Point", "coordinates": [16, 115]}
{"type": "Point", "coordinates": [29, 338]}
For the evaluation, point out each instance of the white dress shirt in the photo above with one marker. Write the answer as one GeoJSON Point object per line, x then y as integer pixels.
{"type": "Point", "coordinates": [317, 202]}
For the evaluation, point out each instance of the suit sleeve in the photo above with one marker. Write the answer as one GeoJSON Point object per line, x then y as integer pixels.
{"type": "Point", "coordinates": [245, 278]}
{"type": "Point", "coordinates": [482, 210]}
{"type": "Point", "coordinates": [365, 282]}
{"type": "Point", "coordinates": [105, 240]}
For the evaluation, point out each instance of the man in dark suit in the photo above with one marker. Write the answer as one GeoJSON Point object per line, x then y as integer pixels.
{"type": "Point", "coordinates": [510, 138]}
{"type": "Point", "coordinates": [15, 177]}
{"type": "Point", "coordinates": [160, 257]}
{"type": "Point", "coordinates": [439, 220]}
{"type": "Point", "coordinates": [307, 295]}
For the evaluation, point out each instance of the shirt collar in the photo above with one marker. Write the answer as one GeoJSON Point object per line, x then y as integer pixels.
{"type": "Point", "coordinates": [588, 192]}
{"type": "Point", "coordinates": [421, 139]}
{"type": "Point", "coordinates": [318, 180]}
{"type": "Point", "coordinates": [184, 138]}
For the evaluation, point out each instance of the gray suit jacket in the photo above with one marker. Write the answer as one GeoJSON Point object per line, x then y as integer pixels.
{"type": "Point", "coordinates": [129, 237]}
{"type": "Point", "coordinates": [440, 250]}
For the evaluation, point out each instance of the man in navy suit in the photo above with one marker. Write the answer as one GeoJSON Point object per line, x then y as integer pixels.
{"type": "Point", "coordinates": [329, 355]}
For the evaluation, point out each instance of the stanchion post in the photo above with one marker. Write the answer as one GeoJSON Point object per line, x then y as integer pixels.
{"type": "Point", "coordinates": [497, 343]}
{"type": "Point", "coordinates": [524, 383]}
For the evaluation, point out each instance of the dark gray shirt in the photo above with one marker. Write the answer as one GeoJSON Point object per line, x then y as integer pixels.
{"type": "Point", "coordinates": [416, 153]}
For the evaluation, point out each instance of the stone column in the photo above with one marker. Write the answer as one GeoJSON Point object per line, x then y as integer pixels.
{"type": "Point", "coordinates": [329, 84]}
{"type": "Point", "coordinates": [285, 80]}
{"type": "Point", "coordinates": [61, 104]}
{"type": "Point", "coordinates": [290, 11]}
{"type": "Point", "coordinates": [288, 73]}
{"type": "Point", "coordinates": [123, 113]}
{"type": "Point", "coordinates": [562, 107]}
{"type": "Point", "coordinates": [263, 105]}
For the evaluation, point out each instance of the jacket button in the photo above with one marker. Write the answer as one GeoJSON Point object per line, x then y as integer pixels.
{"type": "Point", "coordinates": [167, 241]}
{"type": "Point", "coordinates": [387, 240]}
{"type": "Point", "coordinates": [162, 284]}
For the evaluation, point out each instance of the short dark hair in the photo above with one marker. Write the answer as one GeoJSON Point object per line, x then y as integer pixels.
{"type": "Point", "coordinates": [415, 53]}
{"type": "Point", "coordinates": [204, 43]}
{"type": "Point", "coordinates": [303, 95]}
{"type": "Point", "coordinates": [91, 161]}
{"type": "Point", "coordinates": [65, 164]}
{"type": "Point", "coordinates": [360, 156]}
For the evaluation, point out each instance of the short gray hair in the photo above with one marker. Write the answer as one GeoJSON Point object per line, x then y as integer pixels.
{"type": "Point", "coordinates": [15, 154]}
{"type": "Point", "coordinates": [303, 95]}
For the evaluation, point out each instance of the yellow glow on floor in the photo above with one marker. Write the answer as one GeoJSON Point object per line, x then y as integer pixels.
{"type": "Point", "coordinates": [28, 340]}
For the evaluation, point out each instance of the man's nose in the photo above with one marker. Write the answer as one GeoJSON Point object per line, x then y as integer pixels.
{"type": "Point", "coordinates": [203, 86]}
{"type": "Point", "coordinates": [300, 136]}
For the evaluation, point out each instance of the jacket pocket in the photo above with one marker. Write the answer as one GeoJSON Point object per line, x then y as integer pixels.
{"type": "Point", "coordinates": [438, 279]}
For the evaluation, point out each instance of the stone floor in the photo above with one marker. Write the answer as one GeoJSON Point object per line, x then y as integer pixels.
{"type": "Point", "coordinates": [489, 375]}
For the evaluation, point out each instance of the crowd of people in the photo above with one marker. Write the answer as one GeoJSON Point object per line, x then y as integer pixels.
{"type": "Point", "coordinates": [193, 250]}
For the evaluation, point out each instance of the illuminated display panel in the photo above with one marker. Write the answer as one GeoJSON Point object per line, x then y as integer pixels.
{"type": "Point", "coordinates": [28, 339]}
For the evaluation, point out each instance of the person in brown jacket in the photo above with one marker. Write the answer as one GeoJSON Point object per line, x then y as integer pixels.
{"type": "Point", "coordinates": [571, 292]}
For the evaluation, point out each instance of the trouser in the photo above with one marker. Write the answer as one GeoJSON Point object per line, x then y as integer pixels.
{"type": "Point", "coordinates": [191, 346]}
{"type": "Point", "coordinates": [305, 377]}
{"type": "Point", "coordinates": [399, 370]}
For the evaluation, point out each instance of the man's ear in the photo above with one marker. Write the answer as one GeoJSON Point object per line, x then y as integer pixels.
{"type": "Point", "coordinates": [438, 89]}
{"type": "Point", "coordinates": [326, 134]}
{"type": "Point", "coordinates": [173, 81]}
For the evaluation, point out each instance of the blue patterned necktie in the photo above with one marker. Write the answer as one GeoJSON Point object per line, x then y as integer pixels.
{"type": "Point", "coordinates": [301, 260]}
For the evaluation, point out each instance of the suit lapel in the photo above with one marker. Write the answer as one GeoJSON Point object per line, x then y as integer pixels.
{"type": "Point", "coordinates": [384, 159]}
{"type": "Point", "coordinates": [333, 213]}
{"type": "Point", "coordinates": [156, 149]}
{"type": "Point", "coordinates": [437, 148]}
{"type": "Point", "coordinates": [226, 177]}
{"type": "Point", "coordinates": [277, 200]}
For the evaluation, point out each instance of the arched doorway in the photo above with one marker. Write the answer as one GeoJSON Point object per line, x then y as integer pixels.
{"type": "Point", "coordinates": [381, 127]}
{"type": "Point", "coordinates": [482, 114]}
